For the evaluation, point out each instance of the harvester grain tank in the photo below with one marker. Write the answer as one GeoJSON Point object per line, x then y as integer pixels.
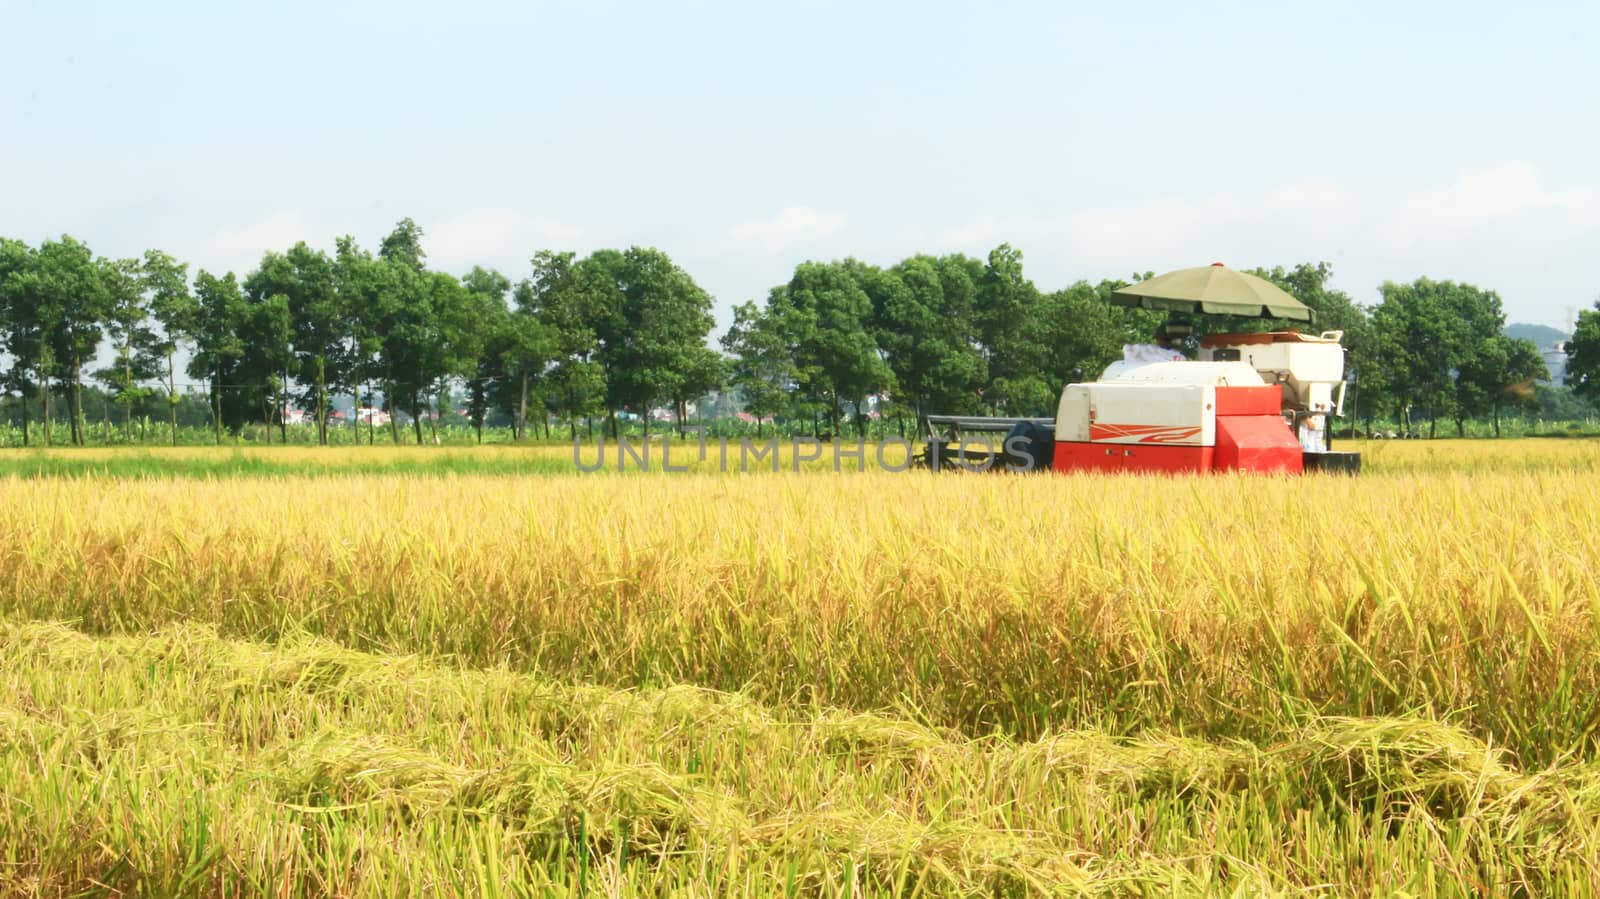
{"type": "Point", "coordinates": [1262, 402]}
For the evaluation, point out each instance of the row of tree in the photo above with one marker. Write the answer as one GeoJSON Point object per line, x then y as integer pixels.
{"type": "Point", "coordinates": [617, 329]}
{"type": "Point", "coordinates": [628, 330]}
{"type": "Point", "coordinates": [953, 334]}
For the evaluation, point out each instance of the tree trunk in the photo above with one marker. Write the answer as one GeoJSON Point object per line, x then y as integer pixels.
{"type": "Point", "coordinates": [44, 399]}
{"type": "Point", "coordinates": [1497, 419]}
{"type": "Point", "coordinates": [522, 411]}
{"type": "Point", "coordinates": [416, 419]}
{"type": "Point", "coordinates": [283, 410]}
{"type": "Point", "coordinates": [172, 396]}
{"type": "Point", "coordinates": [78, 436]}
{"type": "Point", "coordinates": [322, 404]}
{"type": "Point", "coordinates": [394, 422]}
{"type": "Point", "coordinates": [266, 416]}
{"type": "Point", "coordinates": [372, 426]}
{"type": "Point", "coordinates": [22, 400]}
{"type": "Point", "coordinates": [216, 403]}
{"type": "Point", "coordinates": [127, 385]}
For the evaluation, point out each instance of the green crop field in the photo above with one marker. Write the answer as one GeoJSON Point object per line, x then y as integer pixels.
{"type": "Point", "coordinates": [425, 671]}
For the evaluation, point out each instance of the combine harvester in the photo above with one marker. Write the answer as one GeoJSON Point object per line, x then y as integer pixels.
{"type": "Point", "coordinates": [1262, 402]}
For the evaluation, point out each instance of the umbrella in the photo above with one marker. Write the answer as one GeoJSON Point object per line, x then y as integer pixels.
{"type": "Point", "coordinates": [1215, 290]}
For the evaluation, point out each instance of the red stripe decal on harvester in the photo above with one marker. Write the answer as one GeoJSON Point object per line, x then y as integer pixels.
{"type": "Point", "coordinates": [1144, 433]}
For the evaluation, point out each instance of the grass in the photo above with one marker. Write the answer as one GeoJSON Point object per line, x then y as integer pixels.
{"type": "Point", "coordinates": [391, 676]}
{"type": "Point", "coordinates": [179, 762]}
{"type": "Point", "coordinates": [1008, 603]}
{"type": "Point", "coordinates": [1380, 457]}
{"type": "Point", "coordinates": [285, 462]}
{"type": "Point", "coordinates": [165, 463]}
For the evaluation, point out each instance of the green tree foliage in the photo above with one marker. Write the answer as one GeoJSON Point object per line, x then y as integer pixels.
{"type": "Point", "coordinates": [627, 330]}
{"type": "Point", "coordinates": [177, 313]}
{"type": "Point", "coordinates": [1080, 334]}
{"type": "Point", "coordinates": [825, 314]}
{"type": "Point", "coordinates": [651, 320]}
{"type": "Point", "coordinates": [1558, 402]}
{"type": "Point", "coordinates": [307, 279]}
{"type": "Point", "coordinates": [461, 338]}
{"type": "Point", "coordinates": [72, 289]}
{"type": "Point", "coordinates": [1515, 380]}
{"type": "Point", "coordinates": [128, 325]}
{"type": "Point", "coordinates": [924, 321]}
{"type": "Point", "coordinates": [218, 336]}
{"type": "Point", "coordinates": [555, 342]}
{"type": "Point", "coordinates": [410, 350]}
{"type": "Point", "coordinates": [403, 246]}
{"type": "Point", "coordinates": [267, 332]}
{"type": "Point", "coordinates": [25, 322]}
{"type": "Point", "coordinates": [1583, 356]}
{"type": "Point", "coordinates": [1427, 335]}
{"type": "Point", "coordinates": [484, 354]}
{"type": "Point", "coordinates": [362, 284]}
{"type": "Point", "coordinates": [1011, 331]}
{"type": "Point", "coordinates": [761, 367]}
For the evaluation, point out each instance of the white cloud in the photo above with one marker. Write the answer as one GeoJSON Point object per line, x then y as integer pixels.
{"type": "Point", "coordinates": [1505, 227]}
{"type": "Point", "coordinates": [481, 234]}
{"type": "Point", "coordinates": [278, 231]}
{"type": "Point", "coordinates": [794, 226]}
{"type": "Point", "coordinates": [239, 249]}
{"type": "Point", "coordinates": [1324, 196]}
{"type": "Point", "coordinates": [1482, 197]}
{"type": "Point", "coordinates": [1319, 214]}
{"type": "Point", "coordinates": [1176, 228]}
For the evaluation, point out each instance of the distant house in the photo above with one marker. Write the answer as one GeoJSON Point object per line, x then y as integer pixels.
{"type": "Point", "coordinates": [296, 417]}
{"type": "Point", "coordinates": [368, 415]}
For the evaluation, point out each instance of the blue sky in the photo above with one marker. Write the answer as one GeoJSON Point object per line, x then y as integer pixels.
{"type": "Point", "coordinates": [1452, 140]}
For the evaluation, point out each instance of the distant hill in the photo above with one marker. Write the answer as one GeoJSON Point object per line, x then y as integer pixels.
{"type": "Point", "coordinates": [1543, 335]}
{"type": "Point", "coordinates": [1547, 339]}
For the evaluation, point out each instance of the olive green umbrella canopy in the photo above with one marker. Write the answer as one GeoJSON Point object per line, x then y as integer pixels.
{"type": "Point", "coordinates": [1214, 290]}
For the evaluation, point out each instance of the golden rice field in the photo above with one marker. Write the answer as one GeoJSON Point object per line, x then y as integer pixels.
{"type": "Point", "coordinates": [416, 671]}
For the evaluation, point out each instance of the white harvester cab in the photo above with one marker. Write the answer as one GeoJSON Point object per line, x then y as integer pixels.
{"type": "Point", "coordinates": [1308, 368]}
{"type": "Point", "coordinates": [1149, 402]}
